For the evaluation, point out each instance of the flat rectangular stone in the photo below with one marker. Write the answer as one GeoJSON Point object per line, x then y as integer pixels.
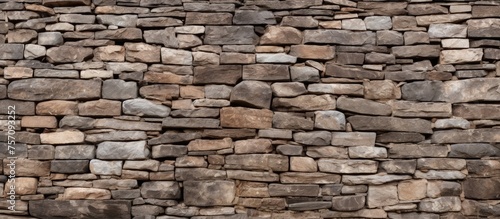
{"type": "Point", "coordinates": [266, 72]}
{"type": "Point", "coordinates": [21, 107]}
{"type": "Point", "coordinates": [419, 51]}
{"type": "Point", "coordinates": [69, 166]}
{"type": "Point", "coordinates": [38, 89]}
{"type": "Point", "coordinates": [239, 117]}
{"type": "Point", "coordinates": [119, 209]}
{"type": "Point", "coordinates": [466, 136]}
{"type": "Point", "coordinates": [126, 125]}
{"type": "Point", "coordinates": [340, 89]}
{"type": "Point", "coordinates": [252, 176]}
{"type": "Point", "coordinates": [367, 123]}
{"type": "Point", "coordinates": [363, 106]}
{"type": "Point", "coordinates": [353, 138]}
{"type": "Point", "coordinates": [347, 166]}
{"type": "Point", "coordinates": [483, 28]}
{"type": "Point", "coordinates": [309, 178]}
{"type": "Point", "coordinates": [207, 145]}
{"type": "Point", "coordinates": [221, 74]}
{"type": "Point", "coordinates": [439, 19]}
{"type": "Point", "coordinates": [305, 190]}
{"type": "Point", "coordinates": [352, 72]}
{"type": "Point", "coordinates": [342, 37]}
{"type": "Point", "coordinates": [417, 150]}
{"type": "Point", "coordinates": [11, 51]}
{"type": "Point", "coordinates": [190, 123]}
{"type": "Point", "coordinates": [419, 109]}
{"type": "Point", "coordinates": [230, 35]}
{"type": "Point", "coordinates": [274, 162]}
{"type": "Point", "coordinates": [230, 133]}
{"type": "Point", "coordinates": [305, 103]}
{"type": "Point", "coordinates": [376, 179]}
{"type": "Point", "coordinates": [477, 111]}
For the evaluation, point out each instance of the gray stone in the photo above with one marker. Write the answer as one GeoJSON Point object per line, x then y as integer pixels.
{"type": "Point", "coordinates": [118, 20]}
{"type": "Point", "coordinates": [305, 103]}
{"type": "Point", "coordinates": [473, 150]}
{"type": "Point", "coordinates": [218, 91]}
{"type": "Point", "coordinates": [275, 58]}
{"type": "Point", "coordinates": [160, 151]}
{"type": "Point", "coordinates": [447, 31]}
{"type": "Point", "coordinates": [384, 8]}
{"type": "Point", "coordinates": [491, 187]}
{"type": "Point", "coordinates": [209, 193]}
{"type": "Point", "coordinates": [367, 123]}
{"type": "Point", "coordinates": [437, 189]}
{"type": "Point", "coordinates": [277, 35]}
{"type": "Point", "coordinates": [390, 37]}
{"type": "Point", "coordinates": [440, 164]}
{"type": "Point", "coordinates": [308, 206]}
{"type": "Point", "coordinates": [327, 152]}
{"type": "Point", "coordinates": [44, 89]}
{"type": "Point", "coordinates": [299, 21]}
{"type": "Point", "coordinates": [236, 35]}
{"type": "Point", "coordinates": [33, 51]}
{"type": "Point", "coordinates": [475, 208]}
{"type": "Point", "coordinates": [309, 178]}
{"type": "Point", "coordinates": [252, 176]}
{"type": "Point", "coordinates": [363, 106]}
{"type": "Point", "coordinates": [176, 57]}
{"type": "Point", "coordinates": [282, 120]}
{"type": "Point", "coordinates": [188, 174]}
{"type": "Point", "coordinates": [382, 195]}
{"type": "Point", "coordinates": [348, 203]}
{"type": "Point", "coordinates": [252, 94]}
{"type": "Point", "coordinates": [452, 123]}
{"type": "Point", "coordinates": [466, 136]}
{"type": "Point", "coordinates": [329, 120]}
{"type": "Point", "coordinates": [274, 162]}
{"type": "Point", "coordinates": [380, 58]}
{"type": "Point", "coordinates": [342, 37]}
{"type": "Point", "coordinates": [134, 150]}
{"type": "Point", "coordinates": [399, 166]}
{"type": "Point", "coordinates": [69, 166]}
{"type": "Point", "coordinates": [143, 107]}
{"type": "Point", "coordinates": [119, 209]}
{"type": "Point", "coordinates": [222, 74]}
{"type": "Point", "coordinates": [120, 34]}
{"type": "Point", "coordinates": [158, 22]}
{"type": "Point", "coordinates": [417, 150]}
{"type": "Point", "coordinates": [116, 89]}
{"type": "Point", "coordinates": [412, 38]}
{"type": "Point", "coordinates": [304, 74]}
{"type": "Point", "coordinates": [417, 109]}
{"type": "Point", "coordinates": [483, 28]}
{"type": "Point", "coordinates": [208, 18]}
{"type": "Point", "coordinates": [353, 138]}
{"type": "Point", "coordinates": [438, 19]}
{"type": "Point", "coordinates": [142, 52]}
{"type": "Point", "coordinates": [425, 9]}
{"type": "Point", "coordinates": [160, 190]}
{"type": "Point", "coordinates": [165, 37]}
{"type": "Point", "coordinates": [21, 36]}
{"type": "Point", "coordinates": [347, 166]}
{"type": "Point", "coordinates": [441, 204]}
{"type": "Point", "coordinates": [353, 24]}
{"type": "Point", "coordinates": [367, 152]}
{"type": "Point", "coordinates": [306, 190]}
{"type": "Point", "coordinates": [440, 174]}
{"type": "Point", "coordinates": [190, 123]}
{"type": "Point", "coordinates": [313, 138]}
{"type": "Point", "coordinates": [50, 39]}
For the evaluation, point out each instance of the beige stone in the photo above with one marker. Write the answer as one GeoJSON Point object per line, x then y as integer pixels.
{"type": "Point", "coordinates": [57, 108]}
{"type": "Point", "coordinates": [239, 117]}
{"type": "Point", "coordinates": [382, 195]}
{"type": "Point", "coordinates": [460, 56]}
{"type": "Point", "coordinates": [23, 186]}
{"type": "Point", "coordinates": [39, 122]}
{"type": "Point", "coordinates": [85, 193]}
{"type": "Point", "coordinates": [17, 72]}
{"type": "Point", "coordinates": [100, 107]}
{"type": "Point", "coordinates": [303, 164]}
{"type": "Point", "coordinates": [206, 145]}
{"type": "Point", "coordinates": [110, 53]}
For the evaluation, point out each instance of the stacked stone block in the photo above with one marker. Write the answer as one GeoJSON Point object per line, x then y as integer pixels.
{"type": "Point", "coordinates": [251, 109]}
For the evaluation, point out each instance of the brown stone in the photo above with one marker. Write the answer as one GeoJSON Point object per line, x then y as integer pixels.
{"type": "Point", "coordinates": [141, 52]}
{"type": "Point", "coordinates": [351, 72]}
{"type": "Point", "coordinates": [68, 54]}
{"type": "Point", "coordinates": [305, 103]}
{"type": "Point", "coordinates": [38, 89]}
{"type": "Point", "coordinates": [266, 72]}
{"type": "Point", "coordinates": [412, 190]}
{"type": "Point", "coordinates": [222, 74]}
{"type": "Point", "coordinates": [100, 107]}
{"type": "Point", "coordinates": [206, 145]}
{"type": "Point", "coordinates": [367, 123]}
{"type": "Point", "coordinates": [39, 122]}
{"type": "Point", "coordinates": [277, 35]}
{"type": "Point", "coordinates": [313, 52]}
{"type": "Point", "coordinates": [57, 107]}
{"type": "Point", "coordinates": [239, 117]}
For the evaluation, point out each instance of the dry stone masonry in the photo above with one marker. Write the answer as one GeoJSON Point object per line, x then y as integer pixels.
{"type": "Point", "coordinates": [240, 109]}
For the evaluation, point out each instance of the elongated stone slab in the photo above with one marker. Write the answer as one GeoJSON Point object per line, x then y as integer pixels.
{"type": "Point", "coordinates": [342, 37]}
{"type": "Point", "coordinates": [119, 209]}
{"type": "Point", "coordinates": [351, 72]}
{"type": "Point", "coordinates": [477, 111]}
{"type": "Point", "coordinates": [38, 89]}
{"type": "Point", "coordinates": [466, 136]}
{"type": "Point", "coordinates": [382, 123]}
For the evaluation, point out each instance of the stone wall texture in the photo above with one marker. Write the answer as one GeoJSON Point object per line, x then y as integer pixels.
{"type": "Point", "coordinates": [238, 109]}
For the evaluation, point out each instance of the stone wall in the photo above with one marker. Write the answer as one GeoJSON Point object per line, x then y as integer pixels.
{"type": "Point", "coordinates": [242, 109]}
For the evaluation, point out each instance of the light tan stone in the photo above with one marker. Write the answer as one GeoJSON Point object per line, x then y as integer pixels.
{"type": "Point", "coordinates": [62, 137]}
{"type": "Point", "coordinates": [39, 122]}
{"type": "Point", "coordinates": [23, 186]}
{"type": "Point", "coordinates": [57, 108]}
{"type": "Point", "coordinates": [412, 190]}
{"type": "Point", "coordinates": [17, 72]}
{"type": "Point", "coordinates": [85, 193]}
{"type": "Point", "coordinates": [303, 164]}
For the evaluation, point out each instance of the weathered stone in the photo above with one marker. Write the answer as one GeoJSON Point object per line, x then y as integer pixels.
{"type": "Point", "coordinates": [417, 150]}
{"type": "Point", "coordinates": [438, 19]}
{"type": "Point", "coordinates": [353, 24]}
{"type": "Point", "coordinates": [342, 37]}
{"type": "Point", "coordinates": [17, 72]}
{"type": "Point", "coordinates": [252, 176]}
{"type": "Point", "coordinates": [160, 151]}
{"type": "Point", "coordinates": [44, 89]}
{"type": "Point", "coordinates": [418, 51]}
{"type": "Point", "coordinates": [176, 57]}
{"type": "Point", "coordinates": [313, 52]}
{"type": "Point", "coordinates": [160, 190]}
{"type": "Point", "coordinates": [209, 193]}
{"type": "Point", "coordinates": [327, 152]}
{"type": "Point", "coordinates": [447, 30]}
{"type": "Point", "coordinates": [415, 109]}
{"type": "Point", "coordinates": [378, 22]}
{"type": "Point", "coordinates": [239, 117]}
{"type": "Point", "coordinates": [412, 190]}
{"type": "Point", "coordinates": [305, 103]}
{"type": "Point", "coordinates": [436, 189]}
{"type": "Point", "coordinates": [351, 72]}
{"type": "Point", "coordinates": [347, 166]}
{"type": "Point", "coordinates": [363, 106]}
{"type": "Point", "coordinates": [206, 145]}
{"type": "Point", "coordinates": [460, 56]}
{"type": "Point", "coordinates": [222, 74]}
{"type": "Point", "coordinates": [253, 146]}
{"type": "Point", "coordinates": [385, 89]}
{"type": "Point", "coordinates": [473, 150]}
{"type": "Point", "coordinates": [236, 35]}
{"type": "Point", "coordinates": [483, 28]}
{"type": "Point", "coordinates": [329, 120]}
{"type": "Point", "coordinates": [377, 179]}
{"type": "Point", "coordinates": [69, 166]}
{"type": "Point", "coordinates": [288, 89]}
{"type": "Point", "coordinates": [205, 58]}
{"type": "Point", "coordinates": [110, 53]}
{"type": "Point", "coordinates": [368, 123]}
{"type": "Point", "coordinates": [275, 58]}
{"type": "Point", "coordinates": [353, 139]}
{"type": "Point", "coordinates": [21, 186]}
{"type": "Point", "coordinates": [80, 152]}
{"type": "Point", "coordinates": [293, 190]}
{"type": "Point", "coordinates": [252, 94]}
{"type": "Point", "coordinates": [440, 174]}
{"type": "Point", "coordinates": [100, 167]}
{"type": "Point", "coordinates": [120, 209]}
{"type": "Point", "coordinates": [466, 136]}
{"type": "Point", "coordinates": [101, 107]}
{"type": "Point", "coordinates": [168, 78]}
{"type": "Point", "coordinates": [399, 166]}
{"type": "Point", "coordinates": [141, 52]}
{"type": "Point", "coordinates": [389, 37]}
{"type": "Point", "coordinates": [341, 89]}
{"type": "Point", "coordinates": [22, 36]}
{"type": "Point", "coordinates": [120, 34]}
{"type": "Point", "coordinates": [68, 54]}
{"type": "Point", "coordinates": [425, 9]}
{"type": "Point", "coordinates": [312, 178]}
{"type": "Point", "coordinates": [313, 138]}
{"type": "Point", "coordinates": [133, 150]}
{"type": "Point", "coordinates": [440, 164]}
{"type": "Point", "coordinates": [266, 72]}
{"type": "Point", "coordinates": [303, 164]}
{"type": "Point", "coordinates": [143, 107]}
{"type": "Point", "coordinates": [379, 58]}
{"type": "Point", "coordinates": [453, 123]}
{"type": "Point", "coordinates": [382, 195]}
{"type": "Point", "coordinates": [441, 204]}
{"type": "Point", "coordinates": [253, 17]}
{"type": "Point", "coordinates": [50, 39]}
{"type": "Point", "coordinates": [283, 120]}
{"type": "Point", "coordinates": [475, 208]}
{"type": "Point", "coordinates": [274, 162]}
{"type": "Point", "coordinates": [33, 51]}
{"type": "Point", "coordinates": [299, 21]}
{"type": "Point", "coordinates": [384, 8]}
{"type": "Point", "coordinates": [62, 137]}
{"type": "Point", "coordinates": [193, 18]}
{"type": "Point", "coordinates": [348, 203]}
{"type": "Point", "coordinates": [190, 123]}
{"type": "Point", "coordinates": [412, 38]}
{"type": "Point", "coordinates": [367, 152]}
{"type": "Point", "coordinates": [158, 22]}
{"type": "Point", "coordinates": [276, 35]}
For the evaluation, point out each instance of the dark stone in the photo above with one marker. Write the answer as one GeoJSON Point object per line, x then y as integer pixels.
{"type": "Point", "coordinates": [348, 203]}
{"type": "Point", "coordinates": [69, 166]}
{"type": "Point", "coordinates": [37, 89]}
{"type": "Point", "coordinates": [220, 74]}
{"type": "Point", "coordinates": [351, 72]}
{"type": "Point", "coordinates": [80, 209]}
{"type": "Point", "coordinates": [368, 123]}
{"type": "Point", "coordinates": [489, 188]}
